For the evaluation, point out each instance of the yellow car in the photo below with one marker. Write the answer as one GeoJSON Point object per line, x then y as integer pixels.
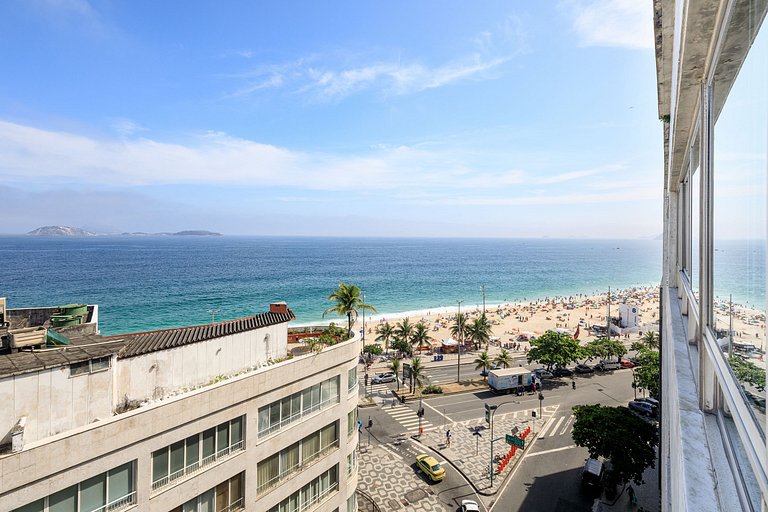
{"type": "Point", "coordinates": [430, 467]}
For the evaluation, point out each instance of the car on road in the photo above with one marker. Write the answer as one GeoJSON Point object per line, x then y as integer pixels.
{"type": "Point", "coordinates": [583, 368]}
{"type": "Point", "coordinates": [604, 366]}
{"type": "Point", "coordinates": [381, 378]}
{"type": "Point", "coordinates": [429, 465]}
{"type": "Point", "coordinates": [542, 373]}
{"type": "Point", "coordinates": [562, 372]}
{"type": "Point", "coordinates": [592, 474]}
{"type": "Point", "coordinates": [649, 400]}
{"type": "Point", "coordinates": [469, 506]}
{"type": "Point", "coordinates": [643, 408]}
{"type": "Point", "coordinates": [626, 363]}
{"type": "Point", "coordinates": [484, 371]}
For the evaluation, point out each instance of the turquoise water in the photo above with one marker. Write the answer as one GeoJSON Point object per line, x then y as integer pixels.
{"type": "Point", "coordinates": [159, 282]}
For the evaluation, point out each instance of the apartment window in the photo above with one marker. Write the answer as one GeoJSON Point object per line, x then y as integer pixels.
{"type": "Point", "coordinates": [196, 452]}
{"type": "Point", "coordinates": [351, 462]}
{"type": "Point", "coordinates": [92, 366]}
{"type": "Point", "coordinates": [351, 422]}
{"type": "Point", "coordinates": [284, 464]}
{"type": "Point", "coordinates": [292, 408]}
{"type": "Point", "coordinates": [352, 503]}
{"type": "Point", "coordinates": [311, 494]}
{"type": "Point", "coordinates": [225, 497]}
{"type": "Point", "coordinates": [110, 491]}
{"type": "Point", "coordinates": [352, 379]}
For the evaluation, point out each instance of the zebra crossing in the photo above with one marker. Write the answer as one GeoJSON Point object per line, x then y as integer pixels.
{"type": "Point", "coordinates": [407, 418]}
{"type": "Point", "coordinates": [558, 427]}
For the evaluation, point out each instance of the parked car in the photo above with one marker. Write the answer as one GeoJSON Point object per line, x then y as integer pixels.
{"type": "Point", "coordinates": [381, 378]}
{"type": "Point", "coordinates": [643, 408]}
{"type": "Point", "coordinates": [604, 366]}
{"type": "Point", "coordinates": [592, 474]}
{"type": "Point", "coordinates": [430, 467]}
{"type": "Point", "coordinates": [626, 363]}
{"type": "Point", "coordinates": [636, 360]}
{"type": "Point", "coordinates": [650, 400]}
{"type": "Point", "coordinates": [469, 506]}
{"type": "Point", "coordinates": [583, 368]}
{"type": "Point", "coordinates": [542, 373]}
{"type": "Point", "coordinates": [562, 372]}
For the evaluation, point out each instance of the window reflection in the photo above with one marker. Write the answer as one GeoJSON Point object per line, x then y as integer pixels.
{"type": "Point", "coordinates": [740, 167]}
{"type": "Point", "coordinates": [694, 188]}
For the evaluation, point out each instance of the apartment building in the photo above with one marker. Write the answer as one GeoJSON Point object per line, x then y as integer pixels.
{"type": "Point", "coordinates": [712, 67]}
{"type": "Point", "coordinates": [213, 417]}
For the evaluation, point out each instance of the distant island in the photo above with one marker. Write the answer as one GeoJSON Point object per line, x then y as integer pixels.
{"type": "Point", "coordinates": [70, 231]}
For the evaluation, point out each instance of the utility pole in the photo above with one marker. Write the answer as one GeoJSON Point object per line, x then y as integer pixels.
{"type": "Point", "coordinates": [363, 320]}
{"type": "Point", "coordinates": [213, 315]}
{"type": "Point", "coordinates": [609, 313]}
{"type": "Point", "coordinates": [461, 343]}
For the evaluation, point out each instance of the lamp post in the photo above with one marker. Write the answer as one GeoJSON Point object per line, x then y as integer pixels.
{"type": "Point", "coordinates": [490, 411]}
{"type": "Point", "coordinates": [461, 342]}
{"type": "Point", "coordinates": [541, 399]}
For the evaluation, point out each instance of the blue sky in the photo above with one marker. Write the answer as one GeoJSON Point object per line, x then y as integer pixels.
{"type": "Point", "coordinates": [430, 118]}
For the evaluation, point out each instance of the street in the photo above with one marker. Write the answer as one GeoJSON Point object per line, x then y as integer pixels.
{"type": "Point", "coordinates": [548, 476]}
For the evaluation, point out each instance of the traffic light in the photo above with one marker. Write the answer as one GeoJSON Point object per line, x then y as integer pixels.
{"type": "Point", "coordinates": [533, 414]}
{"type": "Point", "coordinates": [420, 412]}
{"type": "Point", "coordinates": [370, 423]}
{"type": "Point", "coordinates": [487, 413]}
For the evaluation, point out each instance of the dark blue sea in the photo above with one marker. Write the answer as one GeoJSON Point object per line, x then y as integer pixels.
{"type": "Point", "coordinates": [143, 283]}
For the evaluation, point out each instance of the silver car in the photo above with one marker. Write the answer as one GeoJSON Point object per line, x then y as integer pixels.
{"type": "Point", "coordinates": [381, 378]}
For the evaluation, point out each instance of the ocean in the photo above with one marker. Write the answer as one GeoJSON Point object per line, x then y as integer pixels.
{"type": "Point", "coordinates": [146, 283]}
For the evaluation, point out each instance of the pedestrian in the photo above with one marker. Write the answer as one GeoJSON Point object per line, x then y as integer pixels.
{"type": "Point", "coordinates": [448, 438]}
{"type": "Point", "coordinates": [631, 494]}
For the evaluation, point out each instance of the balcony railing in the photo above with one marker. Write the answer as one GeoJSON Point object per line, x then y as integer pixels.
{"type": "Point", "coordinates": [314, 500]}
{"type": "Point", "coordinates": [296, 468]}
{"type": "Point", "coordinates": [271, 429]}
{"type": "Point", "coordinates": [198, 465]}
{"type": "Point", "coordinates": [128, 499]}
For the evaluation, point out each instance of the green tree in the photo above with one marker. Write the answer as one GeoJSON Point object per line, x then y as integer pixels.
{"type": "Point", "coordinates": [504, 359]}
{"type": "Point", "coordinates": [651, 340]}
{"type": "Point", "coordinates": [404, 330]}
{"type": "Point", "coordinates": [385, 333]}
{"type": "Point", "coordinates": [418, 378]}
{"type": "Point", "coordinates": [375, 350]}
{"type": "Point", "coordinates": [617, 434]}
{"type": "Point", "coordinates": [395, 367]}
{"type": "Point", "coordinates": [605, 348]}
{"type": "Point", "coordinates": [748, 372]}
{"type": "Point", "coordinates": [479, 331]}
{"type": "Point", "coordinates": [553, 349]}
{"type": "Point", "coordinates": [459, 328]}
{"type": "Point", "coordinates": [348, 299]}
{"type": "Point", "coordinates": [420, 336]}
{"type": "Point", "coordinates": [647, 374]}
{"type": "Point", "coordinates": [483, 361]}
{"type": "Point", "coordinates": [401, 346]}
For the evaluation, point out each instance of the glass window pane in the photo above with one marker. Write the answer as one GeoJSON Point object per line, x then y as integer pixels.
{"type": "Point", "coordinates": [695, 184]}
{"type": "Point", "coordinates": [222, 437]}
{"type": "Point", "coordinates": [93, 493]}
{"type": "Point", "coordinates": [263, 418]}
{"type": "Point", "coordinates": [274, 414]}
{"type": "Point", "coordinates": [120, 482]}
{"type": "Point", "coordinates": [235, 488]}
{"type": "Point", "coordinates": [159, 464]}
{"type": "Point", "coordinates": [209, 443]}
{"type": "Point", "coordinates": [237, 430]}
{"type": "Point", "coordinates": [192, 450]}
{"type": "Point", "coordinates": [207, 501]}
{"type": "Point", "coordinates": [177, 457]}
{"type": "Point", "coordinates": [285, 408]}
{"type": "Point", "coordinates": [36, 506]}
{"type": "Point", "coordinates": [222, 496]}
{"type": "Point", "coordinates": [315, 396]}
{"type": "Point", "coordinates": [63, 501]}
{"type": "Point", "coordinates": [306, 400]}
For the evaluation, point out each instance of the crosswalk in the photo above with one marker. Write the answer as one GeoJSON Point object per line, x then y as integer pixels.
{"type": "Point", "coordinates": [557, 427]}
{"type": "Point", "coordinates": [407, 418]}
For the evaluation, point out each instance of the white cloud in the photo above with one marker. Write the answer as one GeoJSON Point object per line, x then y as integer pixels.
{"type": "Point", "coordinates": [620, 23]}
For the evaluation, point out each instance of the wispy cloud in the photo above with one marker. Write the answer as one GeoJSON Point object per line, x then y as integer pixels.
{"type": "Point", "coordinates": [337, 76]}
{"type": "Point", "coordinates": [620, 23]}
{"type": "Point", "coordinates": [74, 14]}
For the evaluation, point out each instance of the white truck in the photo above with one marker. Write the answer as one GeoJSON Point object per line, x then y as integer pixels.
{"type": "Point", "coordinates": [510, 380]}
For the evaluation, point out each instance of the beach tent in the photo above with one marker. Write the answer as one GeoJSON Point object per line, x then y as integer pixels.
{"type": "Point", "coordinates": [449, 345]}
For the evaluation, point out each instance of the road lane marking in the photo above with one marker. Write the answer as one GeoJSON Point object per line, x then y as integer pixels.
{"type": "Point", "coordinates": [553, 450]}
{"type": "Point", "coordinates": [543, 431]}
{"type": "Point", "coordinates": [567, 424]}
{"type": "Point", "coordinates": [557, 425]}
{"type": "Point", "coordinates": [446, 418]}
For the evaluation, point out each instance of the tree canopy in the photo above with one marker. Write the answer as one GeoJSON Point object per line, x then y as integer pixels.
{"type": "Point", "coordinates": [479, 331]}
{"type": "Point", "coordinates": [617, 434]}
{"type": "Point", "coordinates": [385, 333]}
{"type": "Point", "coordinates": [647, 374]}
{"type": "Point", "coordinates": [483, 361]}
{"type": "Point", "coordinates": [605, 348]}
{"type": "Point", "coordinates": [553, 349]}
{"type": "Point", "coordinates": [748, 372]}
{"type": "Point", "coordinates": [504, 358]}
{"type": "Point", "coordinates": [348, 299]}
{"type": "Point", "coordinates": [420, 336]}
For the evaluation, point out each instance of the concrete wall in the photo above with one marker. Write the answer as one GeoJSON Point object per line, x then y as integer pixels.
{"type": "Point", "coordinates": [159, 374]}
{"type": "Point", "coordinates": [57, 462]}
{"type": "Point", "coordinates": [54, 402]}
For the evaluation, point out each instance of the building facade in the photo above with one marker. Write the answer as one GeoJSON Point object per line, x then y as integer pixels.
{"type": "Point", "coordinates": [204, 418]}
{"type": "Point", "coordinates": [712, 67]}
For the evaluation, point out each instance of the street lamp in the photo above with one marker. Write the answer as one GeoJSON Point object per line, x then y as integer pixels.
{"type": "Point", "coordinates": [461, 342]}
{"type": "Point", "coordinates": [363, 319]}
{"type": "Point", "coordinates": [490, 411]}
{"type": "Point", "coordinates": [482, 290]}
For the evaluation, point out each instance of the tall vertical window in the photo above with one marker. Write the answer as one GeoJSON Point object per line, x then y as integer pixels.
{"type": "Point", "coordinates": [225, 497]}
{"type": "Point", "coordinates": [740, 168]}
{"type": "Point", "coordinates": [694, 186]}
{"type": "Point", "coordinates": [110, 491]}
{"type": "Point", "coordinates": [311, 494]}
{"type": "Point", "coordinates": [352, 378]}
{"type": "Point", "coordinates": [292, 408]}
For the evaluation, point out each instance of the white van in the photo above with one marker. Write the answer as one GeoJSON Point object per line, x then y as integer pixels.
{"type": "Point", "coordinates": [604, 366]}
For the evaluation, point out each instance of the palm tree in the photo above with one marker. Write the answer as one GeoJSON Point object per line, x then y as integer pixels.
{"type": "Point", "coordinates": [395, 367]}
{"type": "Point", "coordinates": [404, 330]}
{"type": "Point", "coordinates": [484, 362]}
{"type": "Point", "coordinates": [651, 340]}
{"type": "Point", "coordinates": [417, 374]}
{"type": "Point", "coordinates": [348, 298]}
{"type": "Point", "coordinates": [385, 333]}
{"type": "Point", "coordinates": [504, 358]}
{"type": "Point", "coordinates": [420, 336]}
{"type": "Point", "coordinates": [479, 331]}
{"type": "Point", "coordinates": [459, 327]}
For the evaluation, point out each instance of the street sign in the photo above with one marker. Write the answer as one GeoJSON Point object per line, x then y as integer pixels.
{"type": "Point", "coordinates": [514, 441]}
{"type": "Point", "coordinates": [406, 371]}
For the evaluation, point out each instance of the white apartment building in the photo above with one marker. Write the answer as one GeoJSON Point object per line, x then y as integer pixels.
{"type": "Point", "coordinates": [712, 69]}
{"type": "Point", "coordinates": [205, 418]}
